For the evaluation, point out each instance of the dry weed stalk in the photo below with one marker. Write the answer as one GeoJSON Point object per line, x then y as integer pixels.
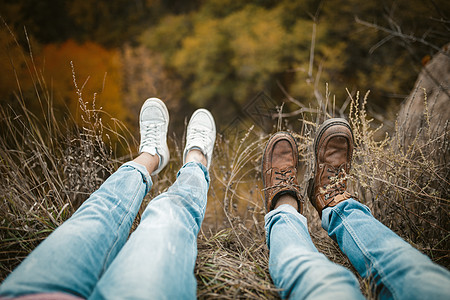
{"type": "Point", "coordinates": [224, 271]}
{"type": "Point", "coordinates": [233, 262]}
{"type": "Point", "coordinates": [405, 183]}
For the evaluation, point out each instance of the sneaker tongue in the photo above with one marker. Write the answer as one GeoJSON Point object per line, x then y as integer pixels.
{"type": "Point", "coordinates": [149, 149]}
{"type": "Point", "coordinates": [153, 151]}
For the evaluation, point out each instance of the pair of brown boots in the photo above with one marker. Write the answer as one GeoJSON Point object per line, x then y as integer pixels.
{"type": "Point", "coordinates": [333, 148]}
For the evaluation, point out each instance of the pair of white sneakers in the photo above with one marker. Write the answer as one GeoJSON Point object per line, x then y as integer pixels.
{"type": "Point", "coordinates": [154, 121]}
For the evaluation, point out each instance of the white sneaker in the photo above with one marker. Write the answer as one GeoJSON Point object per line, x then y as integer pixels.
{"type": "Point", "coordinates": [153, 122]}
{"type": "Point", "coordinates": [201, 134]}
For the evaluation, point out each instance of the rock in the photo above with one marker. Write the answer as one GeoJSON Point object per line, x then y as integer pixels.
{"type": "Point", "coordinates": [434, 80]}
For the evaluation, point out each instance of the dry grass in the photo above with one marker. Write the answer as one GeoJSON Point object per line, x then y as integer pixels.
{"type": "Point", "coordinates": [404, 179]}
{"type": "Point", "coordinates": [404, 183]}
{"type": "Point", "coordinates": [49, 167]}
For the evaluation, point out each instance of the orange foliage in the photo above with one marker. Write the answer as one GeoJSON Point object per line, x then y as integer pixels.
{"type": "Point", "coordinates": [13, 63]}
{"type": "Point", "coordinates": [97, 70]}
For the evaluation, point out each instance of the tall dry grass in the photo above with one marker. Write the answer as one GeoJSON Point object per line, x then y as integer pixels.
{"type": "Point", "coordinates": [48, 167]}
{"type": "Point", "coordinates": [404, 179]}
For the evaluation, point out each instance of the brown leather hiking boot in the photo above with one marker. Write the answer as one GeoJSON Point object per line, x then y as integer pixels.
{"type": "Point", "coordinates": [333, 148]}
{"type": "Point", "coordinates": [279, 170]}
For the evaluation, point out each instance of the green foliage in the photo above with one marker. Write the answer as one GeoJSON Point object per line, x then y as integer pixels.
{"type": "Point", "coordinates": [258, 40]}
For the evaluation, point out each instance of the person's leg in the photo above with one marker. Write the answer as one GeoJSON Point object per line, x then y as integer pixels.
{"type": "Point", "coordinates": [76, 254]}
{"type": "Point", "coordinates": [398, 270]}
{"type": "Point", "coordinates": [73, 257]}
{"type": "Point", "coordinates": [158, 260]}
{"type": "Point", "coordinates": [295, 265]}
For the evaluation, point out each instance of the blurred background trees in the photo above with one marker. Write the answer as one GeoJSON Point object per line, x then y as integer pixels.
{"type": "Point", "coordinates": [221, 53]}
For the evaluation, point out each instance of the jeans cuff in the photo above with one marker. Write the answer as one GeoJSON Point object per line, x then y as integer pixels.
{"type": "Point", "coordinates": [326, 214]}
{"type": "Point", "coordinates": [347, 204]}
{"type": "Point", "coordinates": [144, 173]}
{"type": "Point", "coordinates": [284, 208]}
{"type": "Point", "coordinates": [194, 164]}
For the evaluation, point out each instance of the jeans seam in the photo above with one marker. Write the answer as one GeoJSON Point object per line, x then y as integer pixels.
{"type": "Point", "coordinates": [116, 238]}
{"type": "Point", "coordinates": [200, 205]}
{"type": "Point", "coordinates": [366, 253]}
{"type": "Point", "coordinates": [288, 221]}
{"type": "Point", "coordinates": [201, 216]}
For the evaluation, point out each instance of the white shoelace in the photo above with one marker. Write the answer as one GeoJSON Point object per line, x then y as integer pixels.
{"type": "Point", "coordinates": [198, 137]}
{"type": "Point", "coordinates": [151, 135]}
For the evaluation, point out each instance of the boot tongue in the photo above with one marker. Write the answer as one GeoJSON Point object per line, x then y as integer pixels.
{"type": "Point", "coordinates": [282, 155]}
{"type": "Point", "coordinates": [336, 151]}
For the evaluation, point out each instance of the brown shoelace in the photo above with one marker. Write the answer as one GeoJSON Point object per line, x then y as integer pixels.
{"type": "Point", "coordinates": [286, 180]}
{"type": "Point", "coordinates": [338, 184]}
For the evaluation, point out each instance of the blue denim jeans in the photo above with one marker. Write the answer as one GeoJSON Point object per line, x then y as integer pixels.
{"type": "Point", "coordinates": [89, 255]}
{"type": "Point", "coordinates": [397, 270]}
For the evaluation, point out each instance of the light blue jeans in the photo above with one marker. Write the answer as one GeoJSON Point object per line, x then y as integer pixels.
{"type": "Point", "coordinates": [397, 270]}
{"type": "Point", "coordinates": [89, 255]}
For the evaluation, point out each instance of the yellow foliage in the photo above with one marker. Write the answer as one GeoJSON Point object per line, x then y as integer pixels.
{"type": "Point", "coordinates": [251, 28]}
{"type": "Point", "coordinates": [167, 36]}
